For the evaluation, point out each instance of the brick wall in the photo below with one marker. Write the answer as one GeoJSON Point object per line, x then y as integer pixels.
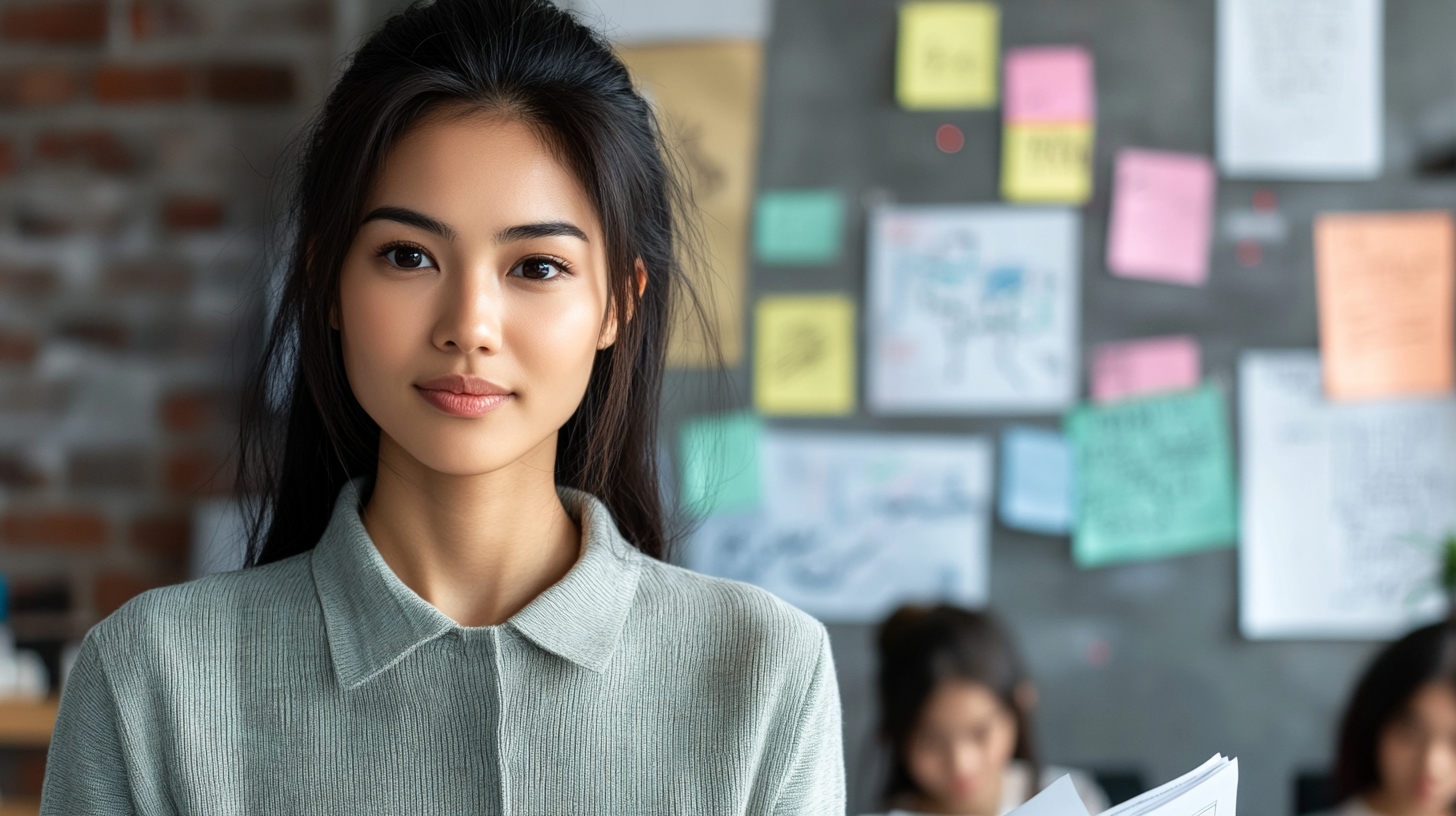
{"type": "Point", "coordinates": [139, 149]}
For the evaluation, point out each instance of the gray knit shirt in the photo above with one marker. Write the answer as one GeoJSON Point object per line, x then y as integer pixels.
{"type": "Point", "coordinates": [321, 684]}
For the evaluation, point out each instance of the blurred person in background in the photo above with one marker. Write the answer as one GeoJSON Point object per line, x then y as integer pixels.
{"type": "Point", "coordinates": [955, 715]}
{"type": "Point", "coordinates": [1397, 744]}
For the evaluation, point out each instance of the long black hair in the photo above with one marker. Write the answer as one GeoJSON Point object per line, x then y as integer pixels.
{"type": "Point", "coordinates": [303, 434]}
{"type": "Point", "coordinates": [1427, 655]}
{"type": "Point", "coordinates": [924, 646]}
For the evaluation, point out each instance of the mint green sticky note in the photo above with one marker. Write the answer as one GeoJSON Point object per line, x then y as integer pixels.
{"type": "Point", "coordinates": [1154, 478]}
{"type": "Point", "coordinates": [719, 463]}
{"type": "Point", "coordinates": [798, 227]}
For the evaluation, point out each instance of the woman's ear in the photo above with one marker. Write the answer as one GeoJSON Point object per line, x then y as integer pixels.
{"type": "Point", "coordinates": [1025, 696]}
{"type": "Point", "coordinates": [609, 328]}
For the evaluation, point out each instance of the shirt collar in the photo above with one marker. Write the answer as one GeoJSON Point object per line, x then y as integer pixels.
{"type": "Point", "coordinates": [373, 621]}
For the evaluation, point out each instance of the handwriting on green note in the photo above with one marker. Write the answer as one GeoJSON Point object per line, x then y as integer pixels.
{"type": "Point", "coordinates": [718, 456]}
{"type": "Point", "coordinates": [798, 227]}
{"type": "Point", "coordinates": [1155, 478]}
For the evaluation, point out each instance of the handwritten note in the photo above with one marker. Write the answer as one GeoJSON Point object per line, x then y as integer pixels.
{"type": "Point", "coordinates": [718, 458]}
{"type": "Point", "coordinates": [798, 227]}
{"type": "Point", "coordinates": [1162, 216]}
{"type": "Point", "coordinates": [1049, 125]}
{"type": "Point", "coordinates": [1386, 284]}
{"type": "Point", "coordinates": [1344, 505]}
{"type": "Point", "coordinates": [1137, 367]}
{"type": "Point", "coordinates": [973, 309]}
{"type": "Point", "coordinates": [1154, 478]}
{"type": "Point", "coordinates": [803, 362]}
{"type": "Point", "coordinates": [946, 55]}
{"type": "Point", "coordinates": [853, 525]}
{"type": "Point", "coordinates": [1037, 489]}
{"type": "Point", "coordinates": [1299, 88]}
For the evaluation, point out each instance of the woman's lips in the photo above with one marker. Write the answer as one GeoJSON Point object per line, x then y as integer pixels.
{"type": "Point", "coordinates": [462, 396]}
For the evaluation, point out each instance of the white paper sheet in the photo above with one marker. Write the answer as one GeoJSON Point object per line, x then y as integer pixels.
{"type": "Point", "coordinates": [972, 309]}
{"type": "Point", "coordinates": [1344, 505]}
{"type": "Point", "coordinates": [1211, 789]}
{"type": "Point", "coordinates": [853, 525]}
{"type": "Point", "coordinates": [1299, 89]}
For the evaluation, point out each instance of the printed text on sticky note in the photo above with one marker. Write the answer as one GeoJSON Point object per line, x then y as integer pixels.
{"type": "Point", "coordinates": [1154, 478]}
{"type": "Point", "coordinates": [803, 358]}
{"type": "Point", "coordinates": [1386, 283]}
{"type": "Point", "coordinates": [1162, 216]}
{"type": "Point", "coordinates": [946, 55]}
{"type": "Point", "coordinates": [798, 227]}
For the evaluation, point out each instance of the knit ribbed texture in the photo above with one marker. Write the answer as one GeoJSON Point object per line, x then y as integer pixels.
{"type": "Point", "coordinates": [322, 685]}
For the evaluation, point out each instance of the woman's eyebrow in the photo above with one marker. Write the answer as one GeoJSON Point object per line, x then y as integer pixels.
{"type": "Point", "coordinates": [411, 218]}
{"type": "Point", "coordinates": [545, 229]}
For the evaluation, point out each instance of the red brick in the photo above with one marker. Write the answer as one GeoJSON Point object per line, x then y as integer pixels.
{"type": "Point", "coordinates": [44, 85]}
{"type": "Point", "coordinates": [16, 347]}
{"type": "Point", "coordinates": [95, 331]}
{"type": "Point", "coordinates": [62, 22]}
{"type": "Point", "coordinates": [162, 534]}
{"type": "Point", "coordinates": [197, 472]}
{"type": "Point", "coordinates": [150, 276]}
{"type": "Point", "coordinates": [250, 84]}
{"type": "Point", "coordinates": [98, 149]}
{"type": "Point", "coordinates": [27, 281]}
{"type": "Point", "coordinates": [8, 161]}
{"type": "Point", "coordinates": [54, 528]}
{"type": "Point", "coordinates": [122, 84]}
{"type": "Point", "coordinates": [112, 589]}
{"type": "Point", "coordinates": [17, 473]}
{"type": "Point", "coordinates": [190, 411]}
{"type": "Point", "coordinates": [163, 18]}
{"type": "Point", "coordinates": [192, 213]}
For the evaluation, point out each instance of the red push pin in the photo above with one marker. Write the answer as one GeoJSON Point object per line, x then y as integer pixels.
{"type": "Point", "coordinates": [1249, 253]}
{"type": "Point", "coordinates": [1265, 201]}
{"type": "Point", "coordinates": [949, 139]}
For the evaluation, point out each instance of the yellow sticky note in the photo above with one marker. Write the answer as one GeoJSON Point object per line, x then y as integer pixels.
{"type": "Point", "coordinates": [803, 358]}
{"type": "Point", "coordinates": [946, 57]}
{"type": "Point", "coordinates": [1047, 162]}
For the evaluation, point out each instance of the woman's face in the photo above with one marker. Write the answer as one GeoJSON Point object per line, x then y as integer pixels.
{"type": "Point", "coordinates": [1417, 754]}
{"type": "Point", "coordinates": [960, 747]}
{"type": "Point", "coordinates": [474, 298]}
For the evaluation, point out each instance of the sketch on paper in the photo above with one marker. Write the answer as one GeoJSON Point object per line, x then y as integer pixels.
{"type": "Point", "coordinates": [972, 309]}
{"type": "Point", "coordinates": [853, 525]}
{"type": "Point", "coordinates": [1344, 505]}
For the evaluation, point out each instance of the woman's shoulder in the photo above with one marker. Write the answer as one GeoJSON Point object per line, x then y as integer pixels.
{"type": "Point", "coordinates": [704, 605]}
{"type": "Point", "coordinates": [282, 590]}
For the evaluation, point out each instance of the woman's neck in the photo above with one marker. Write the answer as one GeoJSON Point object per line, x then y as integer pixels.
{"type": "Point", "coordinates": [477, 548]}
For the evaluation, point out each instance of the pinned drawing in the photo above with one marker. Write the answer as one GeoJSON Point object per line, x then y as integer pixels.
{"type": "Point", "coordinates": [853, 525]}
{"type": "Point", "coordinates": [972, 309]}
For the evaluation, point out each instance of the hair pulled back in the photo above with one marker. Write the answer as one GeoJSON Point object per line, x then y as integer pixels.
{"type": "Point", "coordinates": [303, 433]}
{"type": "Point", "coordinates": [922, 647]}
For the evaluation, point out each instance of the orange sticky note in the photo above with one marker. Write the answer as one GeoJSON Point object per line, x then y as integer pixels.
{"type": "Point", "coordinates": [1386, 286]}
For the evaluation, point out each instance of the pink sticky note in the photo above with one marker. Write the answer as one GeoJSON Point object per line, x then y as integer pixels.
{"type": "Point", "coordinates": [1134, 367]}
{"type": "Point", "coordinates": [1162, 216]}
{"type": "Point", "coordinates": [1049, 84]}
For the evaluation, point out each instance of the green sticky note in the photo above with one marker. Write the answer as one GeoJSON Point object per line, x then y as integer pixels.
{"type": "Point", "coordinates": [1154, 478]}
{"type": "Point", "coordinates": [798, 227]}
{"type": "Point", "coordinates": [718, 456]}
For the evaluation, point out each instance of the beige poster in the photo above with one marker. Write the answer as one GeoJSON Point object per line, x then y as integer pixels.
{"type": "Point", "coordinates": [706, 95]}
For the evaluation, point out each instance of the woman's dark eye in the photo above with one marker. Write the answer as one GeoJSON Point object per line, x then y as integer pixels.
{"type": "Point", "coordinates": [408, 258]}
{"type": "Point", "coordinates": [537, 269]}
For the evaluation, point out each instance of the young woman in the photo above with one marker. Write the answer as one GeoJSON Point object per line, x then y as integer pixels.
{"type": "Point", "coordinates": [1397, 749]}
{"type": "Point", "coordinates": [455, 603]}
{"type": "Point", "coordinates": [955, 716]}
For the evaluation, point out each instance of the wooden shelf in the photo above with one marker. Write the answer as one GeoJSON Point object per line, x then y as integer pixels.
{"type": "Point", "coordinates": [19, 807]}
{"type": "Point", "coordinates": [26, 724]}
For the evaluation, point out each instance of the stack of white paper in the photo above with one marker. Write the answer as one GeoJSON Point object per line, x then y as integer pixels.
{"type": "Point", "coordinates": [1208, 790]}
